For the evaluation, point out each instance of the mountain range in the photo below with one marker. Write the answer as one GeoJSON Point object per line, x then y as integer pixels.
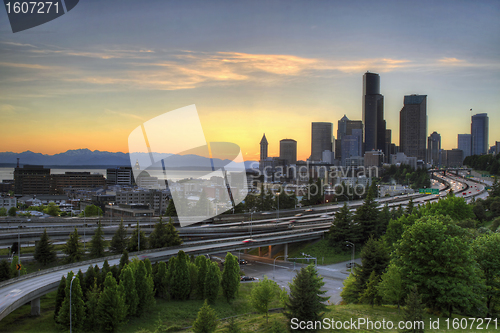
{"type": "Point", "coordinates": [96, 158]}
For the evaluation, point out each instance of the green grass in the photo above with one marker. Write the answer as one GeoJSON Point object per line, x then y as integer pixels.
{"type": "Point", "coordinates": [182, 314]}
{"type": "Point", "coordinates": [320, 249]}
{"type": "Point", "coordinates": [30, 249]}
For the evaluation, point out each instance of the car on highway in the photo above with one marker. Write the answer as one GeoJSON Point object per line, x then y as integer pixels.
{"type": "Point", "coordinates": [242, 262]}
{"type": "Point", "coordinates": [248, 240]}
{"type": "Point", "coordinates": [308, 210]}
{"type": "Point", "coordinates": [350, 264]}
{"type": "Point", "coordinates": [247, 278]}
{"type": "Point", "coordinates": [298, 215]}
{"type": "Point", "coordinates": [464, 193]}
{"type": "Point", "coordinates": [325, 216]}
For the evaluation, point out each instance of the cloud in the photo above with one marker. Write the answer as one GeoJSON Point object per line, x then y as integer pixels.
{"type": "Point", "coordinates": [21, 65]}
{"type": "Point", "coordinates": [451, 61]}
{"type": "Point", "coordinates": [122, 114]}
{"type": "Point", "coordinates": [18, 44]}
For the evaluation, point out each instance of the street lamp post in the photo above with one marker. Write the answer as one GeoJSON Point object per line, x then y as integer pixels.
{"type": "Point", "coordinates": [84, 224]}
{"type": "Point", "coordinates": [70, 286]}
{"type": "Point", "coordinates": [251, 223]}
{"type": "Point", "coordinates": [274, 265]}
{"type": "Point", "coordinates": [19, 248]}
{"type": "Point", "coordinates": [352, 257]}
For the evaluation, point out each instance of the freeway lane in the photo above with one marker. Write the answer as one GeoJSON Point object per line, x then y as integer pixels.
{"type": "Point", "coordinates": [15, 294]}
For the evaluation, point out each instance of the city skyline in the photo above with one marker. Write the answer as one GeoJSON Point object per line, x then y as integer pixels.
{"type": "Point", "coordinates": [250, 68]}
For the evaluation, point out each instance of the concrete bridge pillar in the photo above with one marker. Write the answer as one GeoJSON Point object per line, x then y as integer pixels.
{"type": "Point", "coordinates": [286, 251]}
{"type": "Point", "coordinates": [270, 251]}
{"type": "Point", "coordinates": [260, 252]}
{"type": "Point", "coordinates": [35, 307]}
{"type": "Point", "coordinates": [245, 251]}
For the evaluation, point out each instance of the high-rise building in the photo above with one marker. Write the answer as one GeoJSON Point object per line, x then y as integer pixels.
{"type": "Point", "coordinates": [464, 144]}
{"type": "Point", "coordinates": [453, 158]}
{"type": "Point", "coordinates": [32, 179]}
{"type": "Point", "coordinates": [288, 151]}
{"type": "Point", "coordinates": [434, 149]}
{"type": "Point", "coordinates": [497, 147]}
{"type": "Point", "coordinates": [479, 130]}
{"type": "Point", "coordinates": [413, 126]}
{"type": "Point", "coordinates": [263, 148]}
{"type": "Point", "coordinates": [341, 132]}
{"type": "Point", "coordinates": [373, 113]}
{"type": "Point", "coordinates": [119, 176]}
{"type": "Point", "coordinates": [388, 143]}
{"type": "Point", "coordinates": [321, 139]}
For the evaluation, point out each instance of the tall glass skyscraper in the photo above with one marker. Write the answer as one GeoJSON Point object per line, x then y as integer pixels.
{"type": "Point", "coordinates": [373, 113]}
{"type": "Point", "coordinates": [413, 126]}
{"type": "Point", "coordinates": [479, 131]}
{"type": "Point", "coordinates": [434, 149]}
{"type": "Point", "coordinates": [321, 139]}
{"type": "Point", "coordinates": [464, 144]}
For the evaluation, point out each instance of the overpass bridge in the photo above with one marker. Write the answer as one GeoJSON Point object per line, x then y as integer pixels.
{"type": "Point", "coordinates": [456, 171]}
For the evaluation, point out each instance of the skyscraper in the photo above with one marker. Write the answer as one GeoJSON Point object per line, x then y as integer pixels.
{"type": "Point", "coordinates": [263, 148]}
{"type": "Point", "coordinates": [434, 148]}
{"type": "Point", "coordinates": [479, 131]}
{"type": "Point", "coordinates": [321, 139]}
{"type": "Point", "coordinates": [373, 113]}
{"type": "Point", "coordinates": [413, 126]}
{"type": "Point", "coordinates": [464, 144]}
{"type": "Point", "coordinates": [288, 151]}
{"type": "Point", "coordinates": [341, 132]}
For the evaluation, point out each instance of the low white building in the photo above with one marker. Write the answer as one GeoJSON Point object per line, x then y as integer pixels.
{"type": "Point", "coordinates": [8, 202]}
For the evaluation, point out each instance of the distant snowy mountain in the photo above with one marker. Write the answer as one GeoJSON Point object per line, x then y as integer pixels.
{"type": "Point", "coordinates": [87, 157]}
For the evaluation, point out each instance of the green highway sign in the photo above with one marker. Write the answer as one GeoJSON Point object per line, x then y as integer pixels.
{"type": "Point", "coordinates": [428, 190]}
{"type": "Point", "coordinates": [485, 175]}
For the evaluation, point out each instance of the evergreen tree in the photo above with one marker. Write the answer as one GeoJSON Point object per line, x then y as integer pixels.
{"type": "Point", "coordinates": [212, 282]}
{"type": "Point", "coordinates": [115, 271]}
{"type": "Point", "coordinates": [391, 287]}
{"type": "Point", "coordinates": [366, 216]}
{"type": "Point", "coordinates": [305, 301]}
{"type": "Point", "coordinates": [414, 311]}
{"type": "Point", "coordinates": [44, 250]}
{"type": "Point", "coordinates": [119, 241]}
{"type": "Point", "coordinates": [99, 276]}
{"type": "Point", "coordinates": [370, 295]}
{"type": "Point", "coordinates": [201, 263]}
{"type": "Point", "coordinates": [232, 326]}
{"type": "Point", "coordinates": [180, 287]}
{"type": "Point", "coordinates": [350, 292]}
{"type": "Point", "coordinates": [124, 259]}
{"type": "Point", "coordinates": [97, 243]}
{"type": "Point", "coordinates": [127, 281]}
{"type": "Point", "coordinates": [193, 277]}
{"type": "Point", "coordinates": [263, 294]}
{"type": "Point", "coordinates": [90, 278]}
{"type": "Point", "coordinates": [77, 306]}
{"type": "Point", "coordinates": [171, 211]}
{"type": "Point", "coordinates": [206, 321]}
{"type": "Point", "coordinates": [61, 293]}
{"type": "Point", "coordinates": [172, 235]}
{"type": "Point", "coordinates": [342, 229]}
{"type": "Point", "coordinates": [81, 277]}
{"type": "Point", "coordinates": [91, 323]}
{"type": "Point", "coordinates": [111, 308]}
{"type": "Point", "coordinates": [133, 241]}
{"type": "Point", "coordinates": [5, 272]}
{"type": "Point", "coordinates": [72, 248]}
{"type": "Point", "coordinates": [158, 237]}
{"type": "Point", "coordinates": [230, 281]}
{"type": "Point", "coordinates": [149, 267]}
{"type": "Point", "coordinates": [160, 280]}
{"type": "Point", "coordinates": [383, 221]}
{"type": "Point", "coordinates": [145, 288]}
{"type": "Point", "coordinates": [105, 269]}
{"type": "Point", "coordinates": [409, 207]}
{"type": "Point", "coordinates": [374, 257]}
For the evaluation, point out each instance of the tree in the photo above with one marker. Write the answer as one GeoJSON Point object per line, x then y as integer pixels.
{"type": "Point", "coordinates": [172, 235]}
{"type": "Point", "coordinates": [12, 211]}
{"type": "Point", "coordinates": [193, 277]}
{"type": "Point", "coordinates": [72, 248]}
{"type": "Point", "coordinates": [44, 250]}
{"type": "Point", "coordinates": [370, 295]}
{"type": "Point", "coordinates": [61, 293]}
{"type": "Point", "coordinates": [366, 216]}
{"type": "Point", "coordinates": [97, 242]}
{"type": "Point", "coordinates": [52, 209]}
{"type": "Point", "coordinates": [350, 292]}
{"type": "Point", "coordinates": [161, 281]}
{"type": "Point", "coordinates": [487, 249]}
{"type": "Point", "coordinates": [145, 288]}
{"type": "Point", "coordinates": [435, 255]}
{"type": "Point", "coordinates": [92, 210]}
{"type": "Point", "coordinates": [90, 278]}
{"type": "Point", "coordinates": [119, 240]}
{"type": "Point", "coordinates": [212, 282]}
{"type": "Point", "coordinates": [263, 294]}
{"type": "Point", "coordinates": [374, 257]}
{"type": "Point", "coordinates": [232, 326]}
{"type": "Point", "coordinates": [180, 287]}
{"type": "Point", "coordinates": [132, 242]}
{"type": "Point", "coordinates": [343, 229]}
{"type": "Point", "coordinates": [77, 305]}
{"type": "Point", "coordinates": [127, 281]}
{"type": "Point", "coordinates": [201, 263]}
{"type": "Point", "coordinates": [5, 272]}
{"type": "Point", "coordinates": [124, 259]}
{"type": "Point", "coordinates": [391, 287]}
{"type": "Point", "coordinates": [111, 308]}
{"type": "Point", "coordinates": [92, 296]}
{"type": "Point", "coordinates": [305, 301]}
{"type": "Point", "coordinates": [171, 209]}
{"type": "Point", "coordinates": [206, 321]}
{"type": "Point", "coordinates": [230, 281]}
{"type": "Point", "coordinates": [3, 211]}
{"type": "Point", "coordinates": [158, 237]}
{"type": "Point", "coordinates": [414, 312]}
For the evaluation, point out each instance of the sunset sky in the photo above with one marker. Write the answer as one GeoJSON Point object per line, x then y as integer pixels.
{"type": "Point", "coordinates": [90, 77]}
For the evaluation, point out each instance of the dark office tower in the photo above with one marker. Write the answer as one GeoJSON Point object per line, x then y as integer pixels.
{"type": "Point", "coordinates": [479, 131]}
{"type": "Point", "coordinates": [388, 142]}
{"type": "Point", "coordinates": [413, 126]}
{"type": "Point", "coordinates": [288, 151]}
{"type": "Point", "coordinates": [341, 132]}
{"type": "Point", "coordinates": [464, 144]}
{"type": "Point", "coordinates": [434, 149]}
{"type": "Point", "coordinates": [31, 179]}
{"type": "Point", "coordinates": [263, 148]}
{"type": "Point", "coordinates": [321, 140]}
{"type": "Point", "coordinates": [355, 127]}
{"type": "Point", "coordinates": [373, 113]}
